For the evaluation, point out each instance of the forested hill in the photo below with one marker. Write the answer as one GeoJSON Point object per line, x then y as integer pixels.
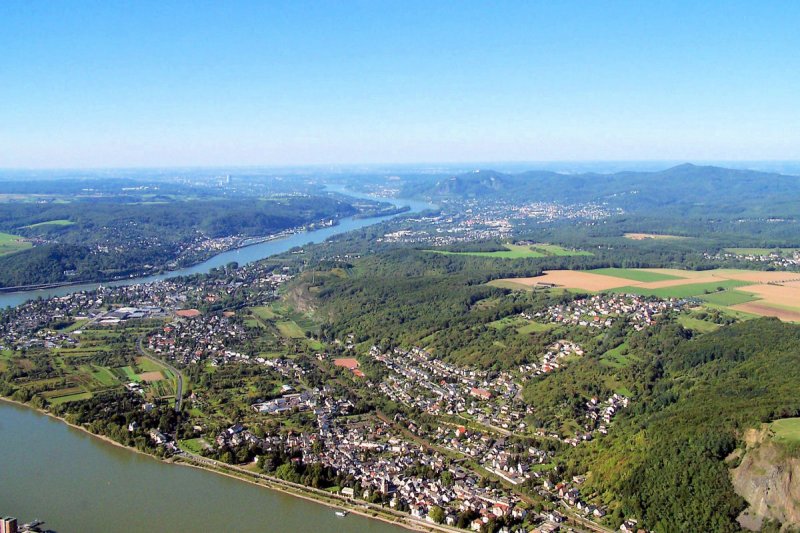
{"type": "Point", "coordinates": [665, 459]}
{"type": "Point", "coordinates": [98, 240]}
{"type": "Point", "coordinates": [687, 187]}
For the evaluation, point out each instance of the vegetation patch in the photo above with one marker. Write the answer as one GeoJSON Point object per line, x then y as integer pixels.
{"type": "Point", "coordinates": [683, 291]}
{"type": "Point", "coordinates": [12, 243]}
{"type": "Point", "coordinates": [696, 324]}
{"type": "Point", "coordinates": [58, 222]}
{"type": "Point", "coordinates": [634, 274]}
{"type": "Point", "coordinates": [727, 298]}
{"type": "Point", "coordinates": [512, 251]}
{"type": "Point", "coordinates": [289, 329]}
{"type": "Point", "coordinates": [617, 357]}
{"type": "Point", "coordinates": [786, 430]}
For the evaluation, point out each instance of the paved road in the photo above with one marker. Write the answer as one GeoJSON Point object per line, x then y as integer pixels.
{"type": "Point", "coordinates": [179, 376]}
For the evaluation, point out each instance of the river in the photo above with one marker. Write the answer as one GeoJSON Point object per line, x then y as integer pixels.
{"type": "Point", "coordinates": [244, 255]}
{"type": "Point", "coordinates": [78, 483]}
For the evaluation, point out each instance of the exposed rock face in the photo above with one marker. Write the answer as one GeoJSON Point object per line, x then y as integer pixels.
{"type": "Point", "coordinates": [769, 479]}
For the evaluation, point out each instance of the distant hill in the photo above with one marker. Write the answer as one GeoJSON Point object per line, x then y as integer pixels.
{"type": "Point", "coordinates": [686, 188]}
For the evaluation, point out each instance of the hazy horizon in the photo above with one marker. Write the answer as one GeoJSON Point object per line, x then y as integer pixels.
{"type": "Point", "coordinates": [102, 85]}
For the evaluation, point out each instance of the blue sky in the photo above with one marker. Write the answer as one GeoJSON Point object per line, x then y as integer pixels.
{"type": "Point", "coordinates": [107, 84]}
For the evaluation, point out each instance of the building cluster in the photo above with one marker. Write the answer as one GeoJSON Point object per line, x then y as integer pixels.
{"type": "Point", "coordinates": [472, 220]}
{"type": "Point", "coordinates": [779, 259]}
{"type": "Point", "coordinates": [383, 465]}
{"type": "Point", "coordinates": [604, 310]}
{"type": "Point", "coordinates": [509, 460]}
{"type": "Point", "coordinates": [552, 359]}
{"type": "Point", "coordinates": [34, 323]}
{"type": "Point", "coordinates": [419, 380]}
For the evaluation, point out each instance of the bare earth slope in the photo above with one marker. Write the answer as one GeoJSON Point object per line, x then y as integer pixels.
{"type": "Point", "coordinates": [770, 482]}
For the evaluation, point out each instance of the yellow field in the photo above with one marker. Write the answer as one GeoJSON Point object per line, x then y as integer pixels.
{"type": "Point", "coordinates": [777, 293]}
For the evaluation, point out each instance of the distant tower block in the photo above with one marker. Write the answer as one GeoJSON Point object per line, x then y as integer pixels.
{"type": "Point", "coordinates": [8, 525]}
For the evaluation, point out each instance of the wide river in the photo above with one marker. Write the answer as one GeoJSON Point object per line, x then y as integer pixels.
{"type": "Point", "coordinates": [245, 255]}
{"type": "Point", "coordinates": [78, 483]}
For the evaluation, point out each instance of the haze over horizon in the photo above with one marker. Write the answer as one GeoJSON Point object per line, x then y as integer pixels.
{"type": "Point", "coordinates": [104, 85]}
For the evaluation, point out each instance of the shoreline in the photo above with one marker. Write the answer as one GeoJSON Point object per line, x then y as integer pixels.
{"type": "Point", "coordinates": [267, 482]}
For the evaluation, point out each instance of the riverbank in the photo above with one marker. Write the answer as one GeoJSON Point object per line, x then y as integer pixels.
{"type": "Point", "coordinates": [317, 496]}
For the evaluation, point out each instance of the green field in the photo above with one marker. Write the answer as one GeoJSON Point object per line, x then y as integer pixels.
{"type": "Point", "coordinates": [617, 357]}
{"type": "Point", "coordinates": [761, 251]}
{"type": "Point", "coordinates": [696, 324]}
{"type": "Point", "coordinates": [516, 251]}
{"type": "Point", "coordinates": [633, 274]}
{"type": "Point", "coordinates": [12, 243]}
{"type": "Point", "coordinates": [263, 312]}
{"type": "Point", "coordinates": [731, 297]}
{"type": "Point", "coordinates": [786, 430]}
{"type": "Point", "coordinates": [289, 329]}
{"type": "Point", "coordinates": [507, 322]}
{"type": "Point", "coordinates": [534, 327]}
{"type": "Point", "coordinates": [66, 395]}
{"type": "Point", "coordinates": [554, 249]}
{"type": "Point", "coordinates": [512, 251]}
{"type": "Point", "coordinates": [59, 222]}
{"type": "Point", "coordinates": [104, 376]}
{"type": "Point", "coordinates": [683, 291]}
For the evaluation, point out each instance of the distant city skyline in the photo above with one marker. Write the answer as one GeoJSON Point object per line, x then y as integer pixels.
{"type": "Point", "coordinates": [108, 85]}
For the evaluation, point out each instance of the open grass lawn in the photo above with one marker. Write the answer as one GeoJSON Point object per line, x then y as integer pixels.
{"type": "Point", "coordinates": [696, 324]}
{"type": "Point", "coordinates": [554, 249]}
{"type": "Point", "coordinates": [534, 327]}
{"type": "Point", "coordinates": [516, 251]}
{"type": "Point", "coordinates": [683, 291]}
{"type": "Point", "coordinates": [194, 445]}
{"type": "Point", "coordinates": [12, 243]}
{"type": "Point", "coordinates": [264, 312]}
{"type": "Point", "coordinates": [617, 357]}
{"type": "Point", "coordinates": [512, 251]}
{"type": "Point", "coordinates": [507, 322]}
{"type": "Point", "coordinates": [289, 329]}
{"type": "Point", "coordinates": [730, 297]}
{"type": "Point", "coordinates": [148, 365]}
{"type": "Point", "coordinates": [786, 430]}
{"type": "Point", "coordinates": [127, 373]}
{"type": "Point", "coordinates": [633, 274]}
{"type": "Point", "coordinates": [760, 251]}
{"type": "Point", "coordinates": [59, 222]}
{"type": "Point", "coordinates": [254, 323]}
{"type": "Point", "coordinates": [71, 394]}
{"type": "Point", "coordinates": [104, 376]}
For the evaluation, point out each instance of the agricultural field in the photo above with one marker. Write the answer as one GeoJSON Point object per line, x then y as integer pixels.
{"type": "Point", "coordinates": [518, 251]}
{"type": "Point", "coordinates": [634, 274]}
{"type": "Point", "coordinates": [755, 293]}
{"type": "Point", "coordinates": [728, 297]}
{"type": "Point", "coordinates": [10, 244]}
{"type": "Point", "coordinates": [686, 290]}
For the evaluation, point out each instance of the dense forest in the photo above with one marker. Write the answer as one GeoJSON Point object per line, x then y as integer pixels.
{"type": "Point", "coordinates": [100, 240]}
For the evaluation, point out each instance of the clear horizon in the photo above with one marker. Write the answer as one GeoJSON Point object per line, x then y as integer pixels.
{"type": "Point", "coordinates": [100, 85]}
